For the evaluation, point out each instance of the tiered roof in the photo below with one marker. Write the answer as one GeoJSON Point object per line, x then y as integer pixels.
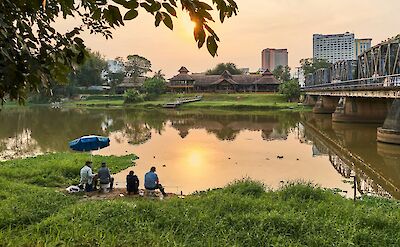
{"type": "Point", "coordinates": [266, 78]}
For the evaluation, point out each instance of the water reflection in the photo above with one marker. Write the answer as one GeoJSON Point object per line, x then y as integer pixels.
{"type": "Point", "coordinates": [197, 150]}
{"type": "Point", "coordinates": [352, 150]}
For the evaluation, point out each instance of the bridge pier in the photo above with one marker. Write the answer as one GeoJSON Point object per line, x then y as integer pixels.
{"type": "Point", "coordinates": [310, 100]}
{"type": "Point", "coordinates": [326, 105]}
{"type": "Point", "coordinates": [390, 131]}
{"type": "Point", "coordinates": [361, 110]}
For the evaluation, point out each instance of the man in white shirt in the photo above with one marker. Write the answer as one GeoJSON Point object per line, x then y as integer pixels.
{"type": "Point", "coordinates": [87, 176]}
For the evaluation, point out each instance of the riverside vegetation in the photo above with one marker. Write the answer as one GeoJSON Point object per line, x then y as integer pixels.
{"type": "Point", "coordinates": [34, 212]}
{"type": "Point", "coordinates": [245, 101]}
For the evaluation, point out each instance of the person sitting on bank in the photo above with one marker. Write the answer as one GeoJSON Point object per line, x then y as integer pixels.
{"type": "Point", "coordinates": [132, 183]}
{"type": "Point", "coordinates": [151, 181]}
{"type": "Point", "coordinates": [87, 176]}
{"type": "Point", "coordinates": [104, 176]}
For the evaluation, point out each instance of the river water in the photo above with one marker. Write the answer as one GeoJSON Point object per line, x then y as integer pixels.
{"type": "Point", "coordinates": [197, 150]}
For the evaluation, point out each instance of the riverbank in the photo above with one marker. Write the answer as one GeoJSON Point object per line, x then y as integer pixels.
{"type": "Point", "coordinates": [34, 212]}
{"type": "Point", "coordinates": [215, 101]}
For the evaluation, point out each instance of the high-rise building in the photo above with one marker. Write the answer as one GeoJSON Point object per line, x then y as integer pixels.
{"type": "Point", "coordinates": [361, 45]}
{"type": "Point", "coordinates": [272, 58]}
{"type": "Point", "coordinates": [334, 47]}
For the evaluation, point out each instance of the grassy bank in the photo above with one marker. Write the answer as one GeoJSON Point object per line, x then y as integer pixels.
{"type": "Point", "coordinates": [58, 169]}
{"type": "Point", "coordinates": [241, 214]}
{"type": "Point", "coordinates": [219, 101]}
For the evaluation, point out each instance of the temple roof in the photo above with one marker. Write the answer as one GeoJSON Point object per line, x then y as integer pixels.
{"type": "Point", "coordinates": [204, 80]}
{"type": "Point", "coordinates": [183, 69]}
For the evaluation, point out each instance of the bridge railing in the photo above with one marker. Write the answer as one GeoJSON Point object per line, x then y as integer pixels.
{"type": "Point", "coordinates": [364, 83]}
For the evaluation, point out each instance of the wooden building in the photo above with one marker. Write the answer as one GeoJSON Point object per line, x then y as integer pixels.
{"type": "Point", "coordinates": [130, 83]}
{"type": "Point", "coordinates": [226, 82]}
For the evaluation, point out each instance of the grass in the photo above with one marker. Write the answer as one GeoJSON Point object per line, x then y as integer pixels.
{"type": "Point", "coordinates": [244, 213]}
{"type": "Point", "coordinates": [243, 101]}
{"type": "Point", "coordinates": [57, 169]}
{"type": "Point", "coordinates": [296, 215]}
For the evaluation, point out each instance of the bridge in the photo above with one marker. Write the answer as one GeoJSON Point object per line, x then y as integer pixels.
{"type": "Point", "coordinates": [366, 90]}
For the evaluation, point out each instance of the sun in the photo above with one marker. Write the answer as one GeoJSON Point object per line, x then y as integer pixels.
{"type": "Point", "coordinates": [186, 26]}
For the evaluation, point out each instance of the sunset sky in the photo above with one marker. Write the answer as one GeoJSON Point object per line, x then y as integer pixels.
{"type": "Point", "coordinates": [260, 24]}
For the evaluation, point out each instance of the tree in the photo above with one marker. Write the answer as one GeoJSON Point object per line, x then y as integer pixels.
{"type": "Point", "coordinates": [310, 65]}
{"type": "Point", "coordinates": [33, 52]}
{"type": "Point", "coordinates": [154, 87]}
{"type": "Point", "coordinates": [281, 73]}
{"type": "Point", "coordinates": [137, 66]}
{"type": "Point", "coordinates": [221, 67]}
{"type": "Point", "coordinates": [290, 89]}
{"type": "Point", "coordinates": [90, 72]}
{"type": "Point", "coordinates": [159, 75]}
{"type": "Point", "coordinates": [114, 79]}
{"type": "Point", "coordinates": [115, 73]}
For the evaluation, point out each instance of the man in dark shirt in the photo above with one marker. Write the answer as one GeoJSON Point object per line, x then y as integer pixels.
{"type": "Point", "coordinates": [151, 181]}
{"type": "Point", "coordinates": [132, 183]}
{"type": "Point", "coordinates": [104, 175]}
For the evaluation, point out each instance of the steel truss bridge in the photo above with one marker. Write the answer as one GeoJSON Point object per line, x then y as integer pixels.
{"type": "Point", "coordinates": [366, 90]}
{"type": "Point", "coordinates": [376, 69]}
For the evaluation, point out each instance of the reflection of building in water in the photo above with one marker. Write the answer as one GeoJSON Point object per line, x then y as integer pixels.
{"type": "Point", "coordinates": [318, 149]}
{"type": "Point", "coordinates": [365, 185]}
{"type": "Point", "coordinates": [20, 145]}
{"type": "Point", "coordinates": [272, 135]}
{"type": "Point", "coordinates": [229, 128]}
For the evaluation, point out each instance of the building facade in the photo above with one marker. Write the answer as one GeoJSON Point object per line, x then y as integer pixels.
{"type": "Point", "coordinates": [361, 45]}
{"type": "Point", "coordinates": [334, 47]}
{"type": "Point", "coordinates": [226, 82]}
{"type": "Point", "coordinates": [272, 58]}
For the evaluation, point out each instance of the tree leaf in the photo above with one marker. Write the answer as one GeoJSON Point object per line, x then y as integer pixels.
{"type": "Point", "coordinates": [205, 6]}
{"type": "Point", "coordinates": [212, 46]}
{"type": "Point", "coordinates": [168, 21]}
{"type": "Point", "coordinates": [159, 17]}
{"type": "Point", "coordinates": [170, 9]}
{"type": "Point", "coordinates": [121, 2]}
{"type": "Point", "coordinates": [147, 7]}
{"type": "Point", "coordinates": [131, 14]}
{"type": "Point", "coordinates": [133, 4]}
{"type": "Point", "coordinates": [173, 2]}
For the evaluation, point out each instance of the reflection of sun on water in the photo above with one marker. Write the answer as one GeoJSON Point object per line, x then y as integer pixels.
{"type": "Point", "coordinates": [196, 157]}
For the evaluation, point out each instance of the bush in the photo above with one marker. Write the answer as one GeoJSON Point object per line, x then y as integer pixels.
{"type": "Point", "coordinates": [302, 191]}
{"type": "Point", "coordinates": [246, 187]}
{"type": "Point", "coordinates": [154, 87]}
{"type": "Point", "coordinates": [133, 96]}
{"type": "Point", "coordinates": [291, 90]}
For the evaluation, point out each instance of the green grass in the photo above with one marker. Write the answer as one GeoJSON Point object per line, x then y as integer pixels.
{"type": "Point", "coordinates": [296, 215]}
{"type": "Point", "coordinates": [57, 169]}
{"type": "Point", "coordinates": [210, 100]}
{"type": "Point", "coordinates": [244, 213]}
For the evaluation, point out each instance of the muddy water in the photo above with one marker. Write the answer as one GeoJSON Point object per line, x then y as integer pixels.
{"type": "Point", "coordinates": [197, 150]}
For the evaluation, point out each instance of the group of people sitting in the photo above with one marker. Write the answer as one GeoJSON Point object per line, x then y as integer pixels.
{"type": "Point", "coordinates": [89, 180]}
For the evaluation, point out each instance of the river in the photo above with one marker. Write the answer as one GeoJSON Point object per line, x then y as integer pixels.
{"type": "Point", "coordinates": [200, 149]}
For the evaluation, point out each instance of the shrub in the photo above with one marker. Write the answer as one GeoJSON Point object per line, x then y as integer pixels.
{"type": "Point", "coordinates": [291, 90]}
{"type": "Point", "coordinates": [154, 86]}
{"type": "Point", "coordinates": [133, 96]}
{"type": "Point", "coordinates": [246, 187]}
{"type": "Point", "coordinates": [302, 191]}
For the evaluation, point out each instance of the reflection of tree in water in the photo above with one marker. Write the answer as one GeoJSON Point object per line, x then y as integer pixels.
{"type": "Point", "coordinates": [52, 129]}
{"type": "Point", "coordinates": [228, 126]}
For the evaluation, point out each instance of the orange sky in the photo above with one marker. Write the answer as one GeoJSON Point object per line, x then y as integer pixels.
{"type": "Point", "coordinates": [260, 24]}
